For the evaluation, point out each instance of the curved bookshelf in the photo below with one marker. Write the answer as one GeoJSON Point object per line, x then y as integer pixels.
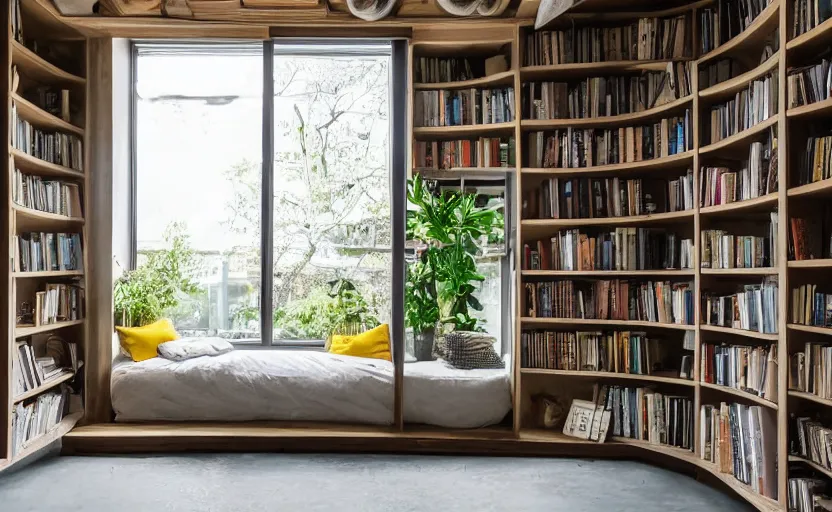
{"type": "Point", "coordinates": [762, 202]}
{"type": "Point", "coordinates": [29, 219]}
{"type": "Point", "coordinates": [38, 69]}
{"type": "Point", "coordinates": [529, 73]}
{"type": "Point", "coordinates": [810, 328]}
{"type": "Point", "coordinates": [809, 396]}
{"type": "Point", "coordinates": [612, 273]}
{"type": "Point", "coordinates": [465, 130]}
{"type": "Point", "coordinates": [633, 118]}
{"type": "Point", "coordinates": [610, 375]}
{"type": "Point", "coordinates": [739, 332]}
{"type": "Point", "coordinates": [728, 88]}
{"type": "Point", "coordinates": [615, 323]}
{"type": "Point", "coordinates": [818, 36]}
{"type": "Point", "coordinates": [33, 165]}
{"type": "Point", "coordinates": [740, 138]}
{"type": "Point", "coordinates": [740, 394]}
{"type": "Point", "coordinates": [759, 30]}
{"type": "Point", "coordinates": [668, 162]}
{"type": "Point", "coordinates": [41, 118]}
{"type": "Point", "coordinates": [812, 110]}
{"type": "Point", "coordinates": [534, 225]}
{"type": "Point", "coordinates": [22, 332]}
{"type": "Point", "coordinates": [762, 271]}
{"type": "Point", "coordinates": [60, 430]}
{"type": "Point", "coordinates": [504, 78]}
{"type": "Point", "coordinates": [814, 465]}
{"type": "Point", "coordinates": [44, 387]}
{"type": "Point", "coordinates": [819, 263]}
{"type": "Point", "coordinates": [822, 187]}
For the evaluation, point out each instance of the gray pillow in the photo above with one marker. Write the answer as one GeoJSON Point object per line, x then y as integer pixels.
{"type": "Point", "coordinates": [189, 348]}
{"type": "Point", "coordinates": [471, 351]}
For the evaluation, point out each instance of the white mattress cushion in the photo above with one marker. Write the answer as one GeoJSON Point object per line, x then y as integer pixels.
{"type": "Point", "coordinates": [189, 348]}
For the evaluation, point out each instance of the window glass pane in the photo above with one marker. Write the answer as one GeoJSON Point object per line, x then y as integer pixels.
{"type": "Point", "coordinates": [331, 198]}
{"type": "Point", "coordinates": [198, 155]}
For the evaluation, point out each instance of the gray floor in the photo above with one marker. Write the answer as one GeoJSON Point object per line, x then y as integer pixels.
{"type": "Point", "coordinates": [345, 483]}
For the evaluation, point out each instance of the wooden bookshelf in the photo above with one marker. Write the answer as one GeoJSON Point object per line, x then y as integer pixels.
{"type": "Point", "coordinates": [740, 139]}
{"type": "Point", "coordinates": [818, 188]}
{"type": "Point", "coordinates": [611, 376]}
{"type": "Point", "coordinates": [674, 162]}
{"type": "Point", "coordinates": [817, 467]}
{"type": "Point", "coordinates": [751, 38]}
{"type": "Point", "coordinates": [740, 394]}
{"type": "Point", "coordinates": [604, 121]}
{"type": "Point", "coordinates": [497, 79]}
{"type": "Point", "coordinates": [766, 202]}
{"type": "Point", "coordinates": [40, 24]}
{"type": "Point", "coordinates": [727, 89]}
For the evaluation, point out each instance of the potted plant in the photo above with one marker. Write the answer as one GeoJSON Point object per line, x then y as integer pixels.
{"type": "Point", "coordinates": [421, 309]}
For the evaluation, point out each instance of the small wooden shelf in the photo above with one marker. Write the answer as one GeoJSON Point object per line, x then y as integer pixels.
{"type": "Point", "coordinates": [739, 139]}
{"type": "Point", "coordinates": [483, 130]}
{"type": "Point", "coordinates": [456, 173]}
{"type": "Point", "coordinates": [812, 110]}
{"type": "Point", "coordinates": [765, 202]}
{"type": "Point", "coordinates": [676, 161]}
{"type": "Point", "coordinates": [740, 394]}
{"type": "Point", "coordinates": [818, 188]}
{"type": "Point", "coordinates": [60, 430]}
{"type": "Point", "coordinates": [45, 387]}
{"type": "Point", "coordinates": [29, 219]}
{"type": "Point", "coordinates": [33, 165]}
{"type": "Point", "coordinates": [814, 465]}
{"type": "Point", "coordinates": [686, 272]}
{"type": "Point", "coordinates": [617, 323]}
{"type": "Point", "coordinates": [763, 271]}
{"type": "Point", "coordinates": [35, 67]}
{"type": "Point", "coordinates": [609, 375]}
{"type": "Point", "coordinates": [809, 396]}
{"type": "Point", "coordinates": [820, 263]}
{"type": "Point", "coordinates": [48, 273]}
{"type": "Point", "coordinates": [533, 226]}
{"type": "Point", "coordinates": [728, 88]}
{"type": "Point", "coordinates": [759, 30]}
{"type": "Point", "coordinates": [43, 119]}
{"type": "Point", "coordinates": [550, 436]}
{"type": "Point", "coordinates": [530, 73]}
{"type": "Point", "coordinates": [811, 328]}
{"type": "Point", "coordinates": [739, 332]}
{"type": "Point", "coordinates": [623, 119]}
{"type": "Point", "coordinates": [818, 36]}
{"type": "Point", "coordinates": [504, 78]}
{"type": "Point", "coordinates": [22, 332]}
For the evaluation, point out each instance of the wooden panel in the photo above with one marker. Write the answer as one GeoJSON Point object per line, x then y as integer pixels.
{"type": "Point", "coordinates": [6, 303]}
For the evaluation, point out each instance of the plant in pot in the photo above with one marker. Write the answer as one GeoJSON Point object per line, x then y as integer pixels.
{"type": "Point", "coordinates": [421, 309]}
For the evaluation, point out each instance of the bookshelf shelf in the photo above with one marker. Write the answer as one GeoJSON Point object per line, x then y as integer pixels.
{"type": "Point", "coordinates": [668, 162]}
{"type": "Point", "coordinates": [818, 188]}
{"type": "Point", "coordinates": [683, 273]}
{"type": "Point", "coordinates": [44, 387]}
{"type": "Point", "coordinates": [809, 396]}
{"type": "Point", "coordinates": [22, 332]}
{"type": "Point", "coordinates": [820, 263]}
{"type": "Point", "coordinates": [456, 173]}
{"type": "Point", "coordinates": [38, 69]}
{"type": "Point", "coordinates": [29, 219]}
{"type": "Point", "coordinates": [740, 394]}
{"type": "Point", "coordinates": [765, 202]}
{"type": "Point", "coordinates": [42, 119]}
{"type": "Point", "coordinates": [504, 78]}
{"type": "Point", "coordinates": [60, 430]}
{"type": "Point", "coordinates": [48, 273]}
{"type": "Point", "coordinates": [817, 467]}
{"type": "Point", "coordinates": [610, 375]}
{"type": "Point", "coordinates": [739, 332]}
{"type": "Point", "coordinates": [811, 328]}
{"type": "Point", "coordinates": [742, 138]}
{"type": "Point", "coordinates": [818, 36]}
{"type": "Point", "coordinates": [33, 165]}
{"type": "Point", "coordinates": [623, 119]}
{"type": "Point", "coordinates": [550, 436]}
{"type": "Point", "coordinates": [730, 87]}
{"type": "Point", "coordinates": [537, 225]}
{"type": "Point", "coordinates": [590, 321]}
{"type": "Point", "coordinates": [759, 30]}
{"type": "Point", "coordinates": [766, 271]}
{"type": "Point", "coordinates": [819, 109]}
{"type": "Point", "coordinates": [485, 130]}
{"type": "Point", "coordinates": [530, 73]}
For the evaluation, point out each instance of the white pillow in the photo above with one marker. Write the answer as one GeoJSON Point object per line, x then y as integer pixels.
{"type": "Point", "coordinates": [189, 348]}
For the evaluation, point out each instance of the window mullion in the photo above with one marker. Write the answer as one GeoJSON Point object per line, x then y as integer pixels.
{"type": "Point", "coordinates": [267, 205]}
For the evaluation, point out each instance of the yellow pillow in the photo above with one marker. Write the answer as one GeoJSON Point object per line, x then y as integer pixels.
{"type": "Point", "coordinates": [374, 343]}
{"type": "Point", "coordinates": [141, 342]}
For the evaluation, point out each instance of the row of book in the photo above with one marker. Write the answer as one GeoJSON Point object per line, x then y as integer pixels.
{"type": "Point", "coordinates": [810, 236]}
{"type": "Point", "coordinates": [752, 309]}
{"type": "Point", "coordinates": [448, 154]}
{"type": "Point", "coordinates": [40, 252]}
{"type": "Point", "coordinates": [721, 249]}
{"type": "Point", "coordinates": [34, 419]}
{"type": "Point", "coordinates": [811, 307]}
{"type": "Point", "coordinates": [31, 371]}
{"type": "Point", "coordinates": [463, 107]}
{"type": "Point", "coordinates": [810, 84]}
{"type": "Point", "coordinates": [644, 39]}
{"type": "Point", "coordinates": [646, 415]}
{"type": "Point", "coordinates": [57, 303]}
{"type": "Point", "coordinates": [808, 14]}
{"type": "Point", "coordinates": [51, 196]}
{"type": "Point", "coordinates": [622, 249]}
{"type": "Point", "coordinates": [810, 370]}
{"type": "Point", "coordinates": [596, 97]}
{"type": "Point", "coordinates": [572, 147]}
{"type": "Point", "coordinates": [816, 161]}
{"type": "Point", "coordinates": [16, 21]}
{"type": "Point", "coordinates": [750, 106]}
{"type": "Point", "coordinates": [591, 198]}
{"type": "Point", "coordinates": [729, 18]}
{"type": "Point", "coordinates": [597, 351]}
{"type": "Point", "coordinates": [750, 369]}
{"type": "Point", "coordinates": [808, 495]}
{"type": "Point", "coordinates": [431, 70]}
{"type": "Point", "coordinates": [812, 441]}
{"type": "Point", "coordinates": [660, 301]}
{"type": "Point", "coordinates": [757, 177]}
{"type": "Point", "coordinates": [57, 148]}
{"type": "Point", "coordinates": [742, 441]}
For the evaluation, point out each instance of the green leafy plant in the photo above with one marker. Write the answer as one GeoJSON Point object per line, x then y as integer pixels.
{"type": "Point", "coordinates": [145, 294]}
{"type": "Point", "coordinates": [349, 308]}
{"type": "Point", "coordinates": [421, 310]}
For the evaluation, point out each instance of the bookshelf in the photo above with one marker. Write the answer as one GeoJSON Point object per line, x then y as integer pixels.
{"type": "Point", "coordinates": [45, 86]}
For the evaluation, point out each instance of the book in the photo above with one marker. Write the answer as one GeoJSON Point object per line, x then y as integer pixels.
{"type": "Point", "coordinates": [809, 84]}
{"type": "Point", "coordinates": [428, 70]}
{"type": "Point", "coordinates": [808, 14]}
{"type": "Point", "coordinates": [753, 308]}
{"type": "Point", "coordinates": [810, 235]}
{"type": "Point", "coordinates": [816, 160]}
{"type": "Point", "coordinates": [46, 195]}
{"type": "Point", "coordinates": [647, 415]}
{"type": "Point", "coordinates": [33, 367]}
{"type": "Point", "coordinates": [808, 495]}
{"type": "Point", "coordinates": [810, 306]}
{"type": "Point", "coordinates": [750, 106]}
{"type": "Point", "coordinates": [463, 107]}
{"type": "Point", "coordinates": [448, 154]}
{"type": "Point", "coordinates": [54, 147]}
{"type": "Point", "coordinates": [58, 303]}
{"type": "Point", "coordinates": [754, 177]}
{"type": "Point", "coordinates": [728, 19]}
{"type": "Point", "coordinates": [750, 369]}
{"type": "Point", "coordinates": [720, 249]}
{"type": "Point", "coordinates": [40, 252]}
{"type": "Point", "coordinates": [32, 419]}
{"type": "Point", "coordinates": [810, 370]}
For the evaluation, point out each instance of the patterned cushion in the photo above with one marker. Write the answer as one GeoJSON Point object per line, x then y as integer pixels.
{"type": "Point", "coordinates": [471, 351]}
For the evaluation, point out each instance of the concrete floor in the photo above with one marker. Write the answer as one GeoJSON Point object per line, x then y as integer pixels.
{"type": "Point", "coordinates": [346, 483]}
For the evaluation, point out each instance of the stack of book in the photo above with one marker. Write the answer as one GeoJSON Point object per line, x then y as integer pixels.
{"type": "Point", "coordinates": [750, 106]}
{"type": "Point", "coordinates": [55, 101]}
{"type": "Point", "coordinates": [810, 84]}
{"type": "Point", "coordinates": [816, 161]}
{"type": "Point", "coordinates": [56, 148]}
{"type": "Point", "coordinates": [646, 415]}
{"type": "Point", "coordinates": [723, 250]}
{"type": "Point", "coordinates": [39, 252]}
{"type": "Point", "coordinates": [811, 307]}
{"type": "Point", "coordinates": [57, 303]}
{"type": "Point", "coordinates": [808, 14]}
{"type": "Point", "coordinates": [622, 249]}
{"type": "Point", "coordinates": [808, 495]}
{"type": "Point", "coordinates": [720, 24]}
{"type": "Point", "coordinates": [52, 196]}
{"type": "Point", "coordinates": [587, 198]}
{"type": "Point", "coordinates": [742, 441]}
{"type": "Point", "coordinates": [645, 39]}
{"type": "Point", "coordinates": [447, 154]}
{"type": "Point", "coordinates": [571, 147]}
{"type": "Point", "coordinates": [463, 107]}
{"type": "Point", "coordinates": [810, 371]}
{"type": "Point", "coordinates": [717, 72]}
{"type": "Point", "coordinates": [752, 309]}
{"type": "Point", "coordinates": [660, 301]}
{"type": "Point", "coordinates": [812, 441]}
{"type": "Point", "coordinates": [751, 369]}
{"type": "Point", "coordinates": [811, 237]}
{"type": "Point", "coordinates": [757, 177]}
{"type": "Point", "coordinates": [37, 418]}
{"type": "Point", "coordinates": [600, 96]}
{"type": "Point", "coordinates": [431, 70]}
{"type": "Point", "coordinates": [30, 372]}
